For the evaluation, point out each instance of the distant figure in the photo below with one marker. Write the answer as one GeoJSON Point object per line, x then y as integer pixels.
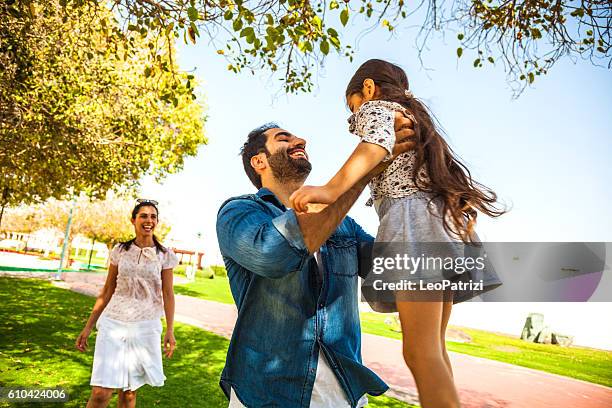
{"type": "Point", "coordinates": [190, 271]}
{"type": "Point", "coordinates": [137, 292]}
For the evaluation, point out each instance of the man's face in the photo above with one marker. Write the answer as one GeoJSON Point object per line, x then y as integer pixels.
{"type": "Point", "coordinates": [287, 160]}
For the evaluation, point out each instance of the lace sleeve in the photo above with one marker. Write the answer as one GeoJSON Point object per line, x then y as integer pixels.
{"type": "Point", "coordinates": [374, 124]}
{"type": "Point", "coordinates": [170, 260]}
{"type": "Point", "coordinates": [115, 254]}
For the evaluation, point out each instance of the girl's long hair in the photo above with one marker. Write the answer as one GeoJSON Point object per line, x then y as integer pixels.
{"type": "Point", "coordinates": [127, 244]}
{"type": "Point", "coordinates": [449, 179]}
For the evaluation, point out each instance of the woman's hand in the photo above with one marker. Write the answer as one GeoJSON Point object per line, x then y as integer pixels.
{"type": "Point", "coordinates": [81, 341]}
{"type": "Point", "coordinates": [305, 195]}
{"type": "Point", "coordinates": [169, 344]}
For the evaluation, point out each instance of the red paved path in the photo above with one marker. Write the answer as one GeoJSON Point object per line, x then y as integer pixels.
{"type": "Point", "coordinates": [481, 383]}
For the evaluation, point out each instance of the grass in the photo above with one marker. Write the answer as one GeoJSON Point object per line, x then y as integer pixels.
{"type": "Point", "coordinates": [216, 289]}
{"type": "Point", "coordinates": [582, 363]}
{"type": "Point", "coordinates": [577, 362]}
{"type": "Point", "coordinates": [39, 324]}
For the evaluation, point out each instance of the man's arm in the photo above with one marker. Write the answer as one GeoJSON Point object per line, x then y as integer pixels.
{"type": "Point", "coordinates": [318, 226]}
{"type": "Point", "coordinates": [268, 246]}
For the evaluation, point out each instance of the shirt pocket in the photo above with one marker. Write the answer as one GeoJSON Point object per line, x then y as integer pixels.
{"type": "Point", "coordinates": [343, 254]}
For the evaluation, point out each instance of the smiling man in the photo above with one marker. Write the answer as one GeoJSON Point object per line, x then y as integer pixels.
{"type": "Point", "coordinates": [294, 277]}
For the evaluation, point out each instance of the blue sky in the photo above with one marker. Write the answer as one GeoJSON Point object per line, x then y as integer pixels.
{"type": "Point", "coordinates": [546, 154]}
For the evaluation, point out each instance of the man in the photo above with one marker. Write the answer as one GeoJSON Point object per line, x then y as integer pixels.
{"type": "Point", "coordinates": [293, 276]}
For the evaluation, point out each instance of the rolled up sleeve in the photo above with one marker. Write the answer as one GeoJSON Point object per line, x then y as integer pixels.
{"type": "Point", "coordinates": [366, 241]}
{"type": "Point", "coordinates": [268, 246]}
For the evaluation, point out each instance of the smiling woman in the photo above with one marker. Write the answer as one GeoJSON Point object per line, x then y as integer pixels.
{"type": "Point", "coordinates": [137, 292]}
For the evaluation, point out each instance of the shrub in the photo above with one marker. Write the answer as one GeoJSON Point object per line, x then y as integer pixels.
{"type": "Point", "coordinates": [219, 270]}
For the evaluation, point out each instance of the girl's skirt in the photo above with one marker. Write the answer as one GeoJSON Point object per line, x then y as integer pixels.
{"type": "Point", "coordinates": [127, 354]}
{"type": "Point", "coordinates": [412, 227]}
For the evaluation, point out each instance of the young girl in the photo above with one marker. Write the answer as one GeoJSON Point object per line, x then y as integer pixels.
{"type": "Point", "coordinates": [424, 196]}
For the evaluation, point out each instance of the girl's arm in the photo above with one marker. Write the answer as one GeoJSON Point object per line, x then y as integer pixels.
{"type": "Point", "coordinates": [101, 301]}
{"type": "Point", "coordinates": [362, 161]}
{"type": "Point", "coordinates": [375, 124]}
{"type": "Point", "coordinates": [168, 295]}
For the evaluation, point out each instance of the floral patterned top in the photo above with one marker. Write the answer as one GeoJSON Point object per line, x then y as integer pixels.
{"type": "Point", "coordinates": [374, 123]}
{"type": "Point", "coordinates": [138, 294]}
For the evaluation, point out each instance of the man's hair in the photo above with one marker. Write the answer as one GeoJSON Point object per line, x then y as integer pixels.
{"type": "Point", "coordinates": [255, 144]}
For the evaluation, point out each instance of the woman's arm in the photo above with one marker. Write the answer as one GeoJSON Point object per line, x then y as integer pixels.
{"type": "Point", "coordinates": [168, 295]}
{"type": "Point", "coordinates": [101, 301]}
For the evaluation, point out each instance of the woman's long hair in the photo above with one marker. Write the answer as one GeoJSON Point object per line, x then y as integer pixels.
{"type": "Point", "coordinates": [127, 244]}
{"type": "Point", "coordinates": [449, 179]}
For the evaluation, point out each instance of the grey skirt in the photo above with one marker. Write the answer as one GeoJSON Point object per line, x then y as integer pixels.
{"type": "Point", "coordinates": [413, 227]}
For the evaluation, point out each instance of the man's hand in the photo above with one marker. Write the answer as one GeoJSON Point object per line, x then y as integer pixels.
{"type": "Point", "coordinates": [406, 132]}
{"type": "Point", "coordinates": [306, 195]}
{"type": "Point", "coordinates": [406, 128]}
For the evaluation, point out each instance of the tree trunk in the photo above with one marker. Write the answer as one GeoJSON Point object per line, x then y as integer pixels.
{"type": "Point", "coordinates": [93, 242]}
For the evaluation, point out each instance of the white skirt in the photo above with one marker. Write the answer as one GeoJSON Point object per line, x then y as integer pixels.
{"type": "Point", "coordinates": [128, 354]}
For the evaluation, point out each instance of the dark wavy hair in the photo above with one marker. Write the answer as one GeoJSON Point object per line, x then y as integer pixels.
{"type": "Point", "coordinates": [127, 244]}
{"type": "Point", "coordinates": [255, 144]}
{"type": "Point", "coordinates": [449, 179]}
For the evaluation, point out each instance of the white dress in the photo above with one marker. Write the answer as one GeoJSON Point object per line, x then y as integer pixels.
{"type": "Point", "coordinates": [128, 346]}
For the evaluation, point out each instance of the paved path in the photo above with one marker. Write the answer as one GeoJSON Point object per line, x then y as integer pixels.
{"type": "Point", "coordinates": [481, 383]}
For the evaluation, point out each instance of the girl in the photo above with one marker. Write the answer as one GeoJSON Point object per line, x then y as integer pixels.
{"type": "Point", "coordinates": [424, 196]}
{"type": "Point", "coordinates": [127, 313]}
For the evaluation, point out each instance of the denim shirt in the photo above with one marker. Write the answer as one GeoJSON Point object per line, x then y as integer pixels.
{"type": "Point", "coordinates": [287, 312]}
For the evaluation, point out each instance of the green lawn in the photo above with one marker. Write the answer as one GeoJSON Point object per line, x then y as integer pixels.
{"type": "Point", "coordinates": [577, 362]}
{"type": "Point", "coordinates": [39, 324]}
{"type": "Point", "coordinates": [216, 289]}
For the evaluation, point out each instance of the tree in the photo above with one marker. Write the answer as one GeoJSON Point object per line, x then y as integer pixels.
{"type": "Point", "coordinates": [78, 112]}
{"type": "Point", "coordinates": [106, 221]}
{"type": "Point", "coordinates": [293, 36]}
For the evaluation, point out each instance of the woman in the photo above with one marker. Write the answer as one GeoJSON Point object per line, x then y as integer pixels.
{"type": "Point", "coordinates": [127, 314]}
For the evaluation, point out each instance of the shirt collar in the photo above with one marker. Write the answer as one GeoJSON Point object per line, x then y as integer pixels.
{"type": "Point", "coordinates": [269, 196]}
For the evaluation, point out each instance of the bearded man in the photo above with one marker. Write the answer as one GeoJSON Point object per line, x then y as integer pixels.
{"type": "Point", "coordinates": [294, 277]}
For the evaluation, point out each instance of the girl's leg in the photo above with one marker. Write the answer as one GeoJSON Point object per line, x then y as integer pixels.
{"type": "Point", "coordinates": [421, 322]}
{"type": "Point", "coordinates": [127, 399]}
{"type": "Point", "coordinates": [446, 312]}
{"type": "Point", "coordinates": [100, 397]}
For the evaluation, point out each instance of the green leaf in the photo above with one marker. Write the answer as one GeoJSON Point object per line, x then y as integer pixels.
{"type": "Point", "coordinates": [193, 14]}
{"type": "Point", "coordinates": [169, 28]}
{"type": "Point", "coordinates": [332, 32]}
{"type": "Point", "coordinates": [247, 32]}
{"type": "Point", "coordinates": [460, 37]}
{"type": "Point", "coordinates": [491, 60]}
{"type": "Point", "coordinates": [195, 29]}
{"type": "Point", "coordinates": [459, 52]}
{"type": "Point", "coordinates": [228, 15]}
{"type": "Point", "coordinates": [344, 16]}
{"type": "Point", "coordinates": [335, 42]}
{"type": "Point", "coordinates": [531, 77]}
{"type": "Point", "coordinates": [324, 47]}
{"type": "Point", "coordinates": [334, 5]}
{"type": "Point", "coordinates": [476, 62]}
{"type": "Point", "coordinates": [237, 25]}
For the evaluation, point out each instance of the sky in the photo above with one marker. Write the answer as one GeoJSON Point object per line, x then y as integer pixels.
{"type": "Point", "coordinates": [546, 154]}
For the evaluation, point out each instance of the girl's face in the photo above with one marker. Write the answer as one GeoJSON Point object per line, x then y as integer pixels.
{"type": "Point", "coordinates": [354, 101]}
{"type": "Point", "coordinates": [145, 221]}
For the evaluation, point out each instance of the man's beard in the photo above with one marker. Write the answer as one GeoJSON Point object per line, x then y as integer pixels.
{"type": "Point", "coordinates": [288, 170]}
